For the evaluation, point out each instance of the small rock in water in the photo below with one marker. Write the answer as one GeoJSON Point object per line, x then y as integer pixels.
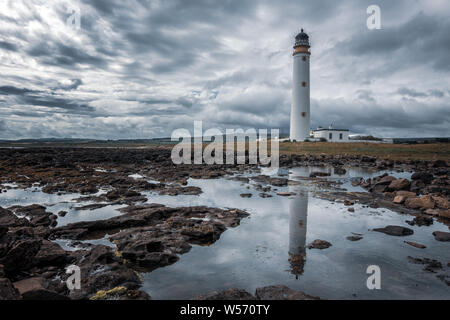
{"type": "Point", "coordinates": [420, 221]}
{"type": "Point", "coordinates": [246, 195]}
{"type": "Point", "coordinates": [351, 209]}
{"type": "Point", "coordinates": [415, 244]}
{"type": "Point", "coordinates": [319, 174]}
{"type": "Point", "coordinates": [62, 213]}
{"type": "Point", "coordinates": [354, 238]}
{"type": "Point", "coordinates": [431, 265]}
{"type": "Point", "coordinates": [441, 236]}
{"type": "Point", "coordinates": [265, 195]}
{"type": "Point", "coordinates": [286, 194]}
{"type": "Point", "coordinates": [339, 171]}
{"type": "Point", "coordinates": [349, 202]}
{"type": "Point", "coordinates": [395, 231]}
{"type": "Point", "coordinates": [319, 244]}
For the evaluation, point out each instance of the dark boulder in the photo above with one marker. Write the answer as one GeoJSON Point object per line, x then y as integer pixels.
{"type": "Point", "coordinates": [8, 291]}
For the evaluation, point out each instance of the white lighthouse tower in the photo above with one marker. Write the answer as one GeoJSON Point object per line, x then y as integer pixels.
{"type": "Point", "coordinates": [300, 116]}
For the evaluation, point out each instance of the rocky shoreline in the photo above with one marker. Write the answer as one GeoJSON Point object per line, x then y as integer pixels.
{"type": "Point", "coordinates": [147, 236]}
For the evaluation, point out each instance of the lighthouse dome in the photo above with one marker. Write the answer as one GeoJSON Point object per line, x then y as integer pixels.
{"type": "Point", "coordinates": [302, 39]}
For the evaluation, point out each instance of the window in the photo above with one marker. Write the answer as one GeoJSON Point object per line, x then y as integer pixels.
{"type": "Point", "coordinates": [303, 84]}
{"type": "Point", "coordinates": [304, 58]}
{"type": "Point", "coordinates": [330, 136]}
{"type": "Point", "coordinates": [303, 114]}
{"type": "Point", "coordinates": [340, 136]}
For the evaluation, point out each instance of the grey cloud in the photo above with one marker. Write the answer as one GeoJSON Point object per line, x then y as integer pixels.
{"type": "Point", "coordinates": [152, 66]}
{"type": "Point", "coordinates": [8, 46]}
{"type": "Point", "coordinates": [423, 39]}
{"type": "Point", "coordinates": [11, 90]}
{"type": "Point", "coordinates": [419, 94]}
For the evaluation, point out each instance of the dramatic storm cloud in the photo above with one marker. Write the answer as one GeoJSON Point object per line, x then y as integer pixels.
{"type": "Point", "coordinates": [140, 69]}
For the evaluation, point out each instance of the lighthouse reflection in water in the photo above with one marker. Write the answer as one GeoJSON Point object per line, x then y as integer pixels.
{"type": "Point", "coordinates": [298, 212]}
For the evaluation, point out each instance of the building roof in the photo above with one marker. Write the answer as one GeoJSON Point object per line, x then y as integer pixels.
{"type": "Point", "coordinates": [325, 129]}
{"type": "Point", "coordinates": [302, 39]}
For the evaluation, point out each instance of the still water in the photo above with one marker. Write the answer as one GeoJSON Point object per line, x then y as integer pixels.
{"type": "Point", "coordinates": [270, 246]}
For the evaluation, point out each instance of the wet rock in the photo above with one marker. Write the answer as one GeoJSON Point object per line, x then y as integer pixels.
{"type": "Point", "coordinates": [89, 189]}
{"type": "Point", "coordinates": [286, 194]}
{"type": "Point", "coordinates": [425, 202]}
{"type": "Point", "coordinates": [93, 206]}
{"type": "Point", "coordinates": [319, 244]}
{"type": "Point", "coordinates": [228, 294]}
{"type": "Point", "coordinates": [399, 199]}
{"type": "Point", "coordinates": [415, 244]}
{"type": "Point", "coordinates": [339, 171]}
{"type": "Point", "coordinates": [36, 288]}
{"type": "Point", "coordinates": [62, 213]}
{"type": "Point", "coordinates": [265, 195]}
{"type": "Point", "coordinates": [36, 213]}
{"type": "Point", "coordinates": [240, 179]}
{"type": "Point", "coordinates": [439, 164]}
{"type": "Point", "coordinates": [18, 249]}
{"type": "Point", "coordinates": [348, 202]}
{"type": "Point", "coordinates": [101, 270]}
{"type": "Point", "coordinates": [246, 195]}
{"type": "Point", "coordinates": [281, 292]}
{"type": "Point", "coordinates": [8, 219]}
{"type": "Point", "coordinates": [385, 181]}
{"type": "Point", "coordinates": [406, 194]}
{"type": "Point", "coordinates": [399, 184]}
{"type": "Point", "coordinates": [177, 190]}
{"type": "Point", "coordinates": [431, 265]}
{"type": "Point", "coordinates": [319, 174]}
{"type": "Point", "coordinates": [441, 236]}
{"type": "Point", "coordinates": [120, 293]}
{"type": "Point", "coordinates": [354, 238]}
{"type": "Point", "coordinates": [351, 209]}
{"type": "Point", "coordinates": [441, 202]}
{"type": "Point", "coordinates": [279, 182]}
{"type": "Point", "coordinates": [395, 230]}
{"type": "Point", "coordinates": [423, 176]}
{"type": "Point", "coordinates": [444, 213]}
{"type": "Point", "coordinates": [421, 221]}
{"type": "Point", "coordinates": [8, 291]}
{"type": "Point", "coordinates": [50, 254]}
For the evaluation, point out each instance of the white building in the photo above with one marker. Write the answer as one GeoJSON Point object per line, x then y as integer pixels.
{"type": "Point", "coordinates": [300, 116]}
{"type": "Point", "coordinates": [331, 134]}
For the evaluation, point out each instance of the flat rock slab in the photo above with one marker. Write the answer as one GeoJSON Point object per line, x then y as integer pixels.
{"type": "Point", "coordinates": [395, 231]}
{"type": "Point", "coordinates": [34, 289]}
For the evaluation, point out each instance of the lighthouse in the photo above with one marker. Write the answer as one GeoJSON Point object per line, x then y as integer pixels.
{"type": "Point", "coordinates": [300, 116]}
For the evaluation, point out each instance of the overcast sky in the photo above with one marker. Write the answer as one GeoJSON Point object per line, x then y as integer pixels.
{"type": "Point", "coordinates": [140, 69]}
